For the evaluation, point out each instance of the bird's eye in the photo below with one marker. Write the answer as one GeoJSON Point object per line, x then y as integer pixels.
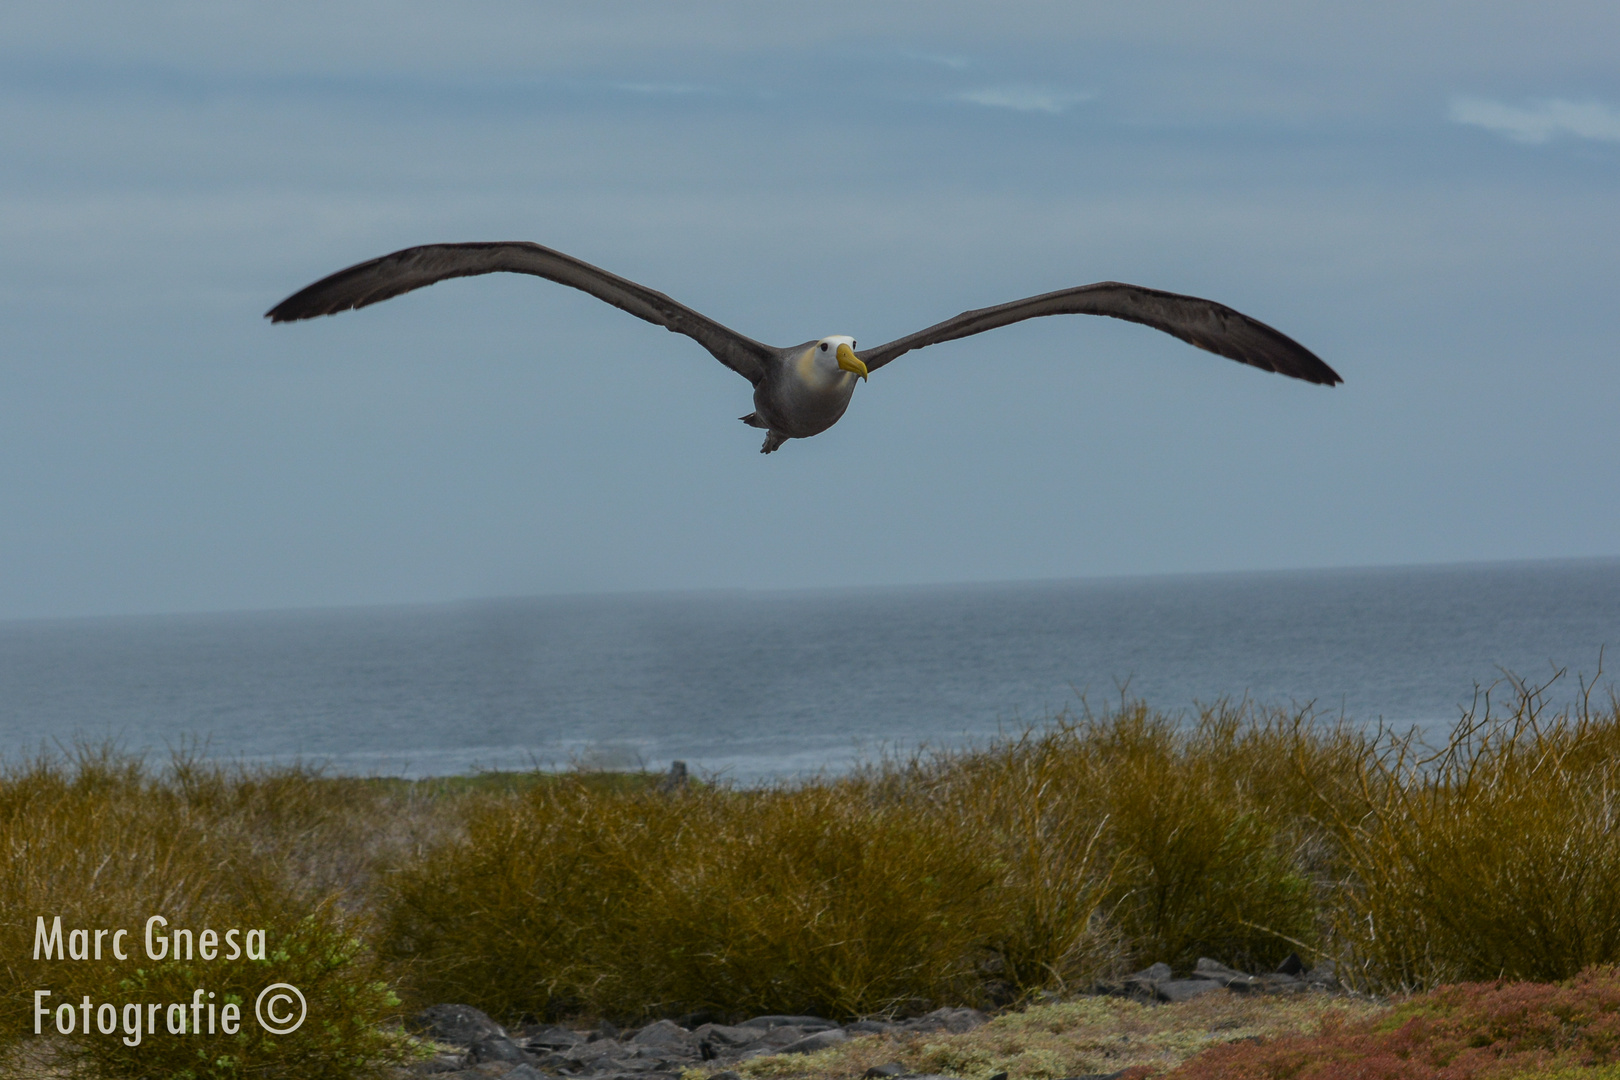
{"type": "Point", "coordinates": [823, 346]}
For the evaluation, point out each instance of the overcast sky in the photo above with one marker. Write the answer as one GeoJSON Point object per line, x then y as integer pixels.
{"type": "Point", "coordinates": [1425, 194]}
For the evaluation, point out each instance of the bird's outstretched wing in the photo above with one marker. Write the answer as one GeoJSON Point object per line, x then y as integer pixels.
{"type": "Point", "coordinates": [412, 268]}
{"type": "Point", "coordinates": [1204, 323]}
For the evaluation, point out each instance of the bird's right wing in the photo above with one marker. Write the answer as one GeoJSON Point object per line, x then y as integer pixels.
{"type": "Point", "coordinates": [1204, 323]}
{"type": "Point", "coordinates": [412, 268]}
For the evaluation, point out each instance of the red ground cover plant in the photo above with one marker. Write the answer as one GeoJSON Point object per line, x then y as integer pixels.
{"type": "Point", "coordinates": [1470, 1031]}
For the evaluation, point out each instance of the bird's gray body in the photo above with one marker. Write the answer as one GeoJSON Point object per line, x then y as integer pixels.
{"type": "Point", "coordinates": [803, 390]}
{"type": "Point", "coordinates": [800, 396]}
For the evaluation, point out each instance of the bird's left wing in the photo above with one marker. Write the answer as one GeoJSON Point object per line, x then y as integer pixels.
{"type": "Point", "coordinates": [412, 268]}
{"type": "Point", "coordinates": [1203, 323]}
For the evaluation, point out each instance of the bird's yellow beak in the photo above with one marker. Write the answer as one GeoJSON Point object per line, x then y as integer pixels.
{"type": "Point", "coordinates": [850, 362]}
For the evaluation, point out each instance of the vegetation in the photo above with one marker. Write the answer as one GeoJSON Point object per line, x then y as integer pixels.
{"type": "Point", "coordinates": [1476, 1031]}
{"type": "Point", "coordinates": [102, 844]}
{"type": "Point", "coordinates": [976, 878]}
{"type": "Point", "coordinates": [1497, 857]}
{"type": "Point", "coordinates": [749, 902]}
{"type": "Point", "coordinates": [1461, 1032]}
{"type": "Point", "coordinates": [1089, 1036]}
{"type": "Point", "coordinates": [1092, 846]}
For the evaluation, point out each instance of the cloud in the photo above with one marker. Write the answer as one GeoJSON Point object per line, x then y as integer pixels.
{"type": "Point", "coordinates": [1023, 98]}
{"type": "Point", "coordinates": [1541, 120]}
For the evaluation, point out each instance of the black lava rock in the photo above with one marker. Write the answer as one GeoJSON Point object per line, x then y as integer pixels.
{"type": "Point", "coordinates": [495, 1048]}
{"type": "Point", "coordinates": [812, 1023]}
{"type": "Point", "coordinates": [699, 1018]}
{"type": "Point", "coordinates": [458, 1025]}
{"type": "Point", "coordinates": [726, 1042]}
{"type": "Point", "coordinates": [1231, 978]}
{"type": "Point", "coordinates": [955, 1021]}
{"type": "Point", "coordinates": [1174, 990]}
{"type": "Point", "coordinates": [811, 1043]}
{"type": "Point", "coordinates": [552, 1037]}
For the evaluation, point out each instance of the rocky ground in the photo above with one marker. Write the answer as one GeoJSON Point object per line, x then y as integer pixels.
{"type": "Point", "coordinates": [1229, 1003]}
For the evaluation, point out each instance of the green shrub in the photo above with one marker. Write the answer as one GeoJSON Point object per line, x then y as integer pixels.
{"type": "Point", "coordinates": [811, 899]}
{"type": "Point", "coordinates": [342, 1035]}
{"type": "Point", "coordinates": [1040, 862]}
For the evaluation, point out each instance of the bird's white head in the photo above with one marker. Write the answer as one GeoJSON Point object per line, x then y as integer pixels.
{"type": "Point", "coordinates": [838, 351]}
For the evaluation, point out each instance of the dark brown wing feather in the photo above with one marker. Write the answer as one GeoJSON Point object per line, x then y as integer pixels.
{"type": "Point", "coordinates": [1204, 323]}
{"type": "Point", "coordinates": [412, 268]}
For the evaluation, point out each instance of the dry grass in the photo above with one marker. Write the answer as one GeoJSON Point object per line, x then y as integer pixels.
{"type": "Point", "coordinates": [104, 844]}
{"type": "Point", "coordinates": [1496, 857]}
{"type": "Point", "coordinates": [1183, 839]}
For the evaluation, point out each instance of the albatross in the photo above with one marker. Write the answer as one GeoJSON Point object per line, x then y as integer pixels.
{"type": "Point", "coordinates": [802, 390]}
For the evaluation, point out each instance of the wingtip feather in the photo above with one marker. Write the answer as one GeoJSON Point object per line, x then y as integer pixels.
{"type": "Point", "coordinates": [288, 310]}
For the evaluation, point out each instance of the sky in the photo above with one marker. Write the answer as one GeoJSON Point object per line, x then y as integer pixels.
{"type": "Point", "coordinates": [1425, 194]}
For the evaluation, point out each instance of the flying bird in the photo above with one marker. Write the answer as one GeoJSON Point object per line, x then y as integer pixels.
{"type": "Point", "coordinates": [802, 390]}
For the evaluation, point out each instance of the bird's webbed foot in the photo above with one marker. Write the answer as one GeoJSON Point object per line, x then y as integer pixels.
{"type": "Point", "coordinates": [773, 440]}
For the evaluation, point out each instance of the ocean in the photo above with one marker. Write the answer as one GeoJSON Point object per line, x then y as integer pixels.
{"type": "Point", "coordinates": [764, 685]}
